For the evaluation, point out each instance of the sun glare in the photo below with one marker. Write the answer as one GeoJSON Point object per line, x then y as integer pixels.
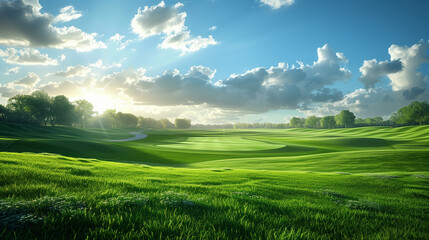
{"type": "Point", "coordinates": [100, 102]}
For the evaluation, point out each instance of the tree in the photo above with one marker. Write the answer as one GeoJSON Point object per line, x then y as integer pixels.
{"type": "Point", "coordinates": [61, 111]}
{"type": "Point", "coordinates": [345, 119]}
{"type": "Point", "coordinates": [126, 120]}
{"type": "Point", "coordinates": [328, 122]}
{"type": "Point", "coordinates": [109, 118]}
{"type": "Point", "coordinates": [20, 105]}
{"type": "Point", "coordinates": [83, 111]}
{"type": "Point", "coordinates": [148, 123]}
{"type": "Point", "coordinates": [39, 105]}
{"type": "Point", "coordinates": [312, 122]}
{"type": "Point", "coordinates": [4, 113]}
{"type": "Point", "coordinates": [165, 123]}
{"type": "Point", "coordinates": [415, 113]}
{"type": "Point", "coordinates": [182, 123]}
{"type": "Point", "coordinates": [296, 122]}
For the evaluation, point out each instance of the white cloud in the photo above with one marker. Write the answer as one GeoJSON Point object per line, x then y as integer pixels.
{"type": "Point", "coordinates": [67, 14]}
{"type": "Point", "coordinates": [117, 39]}
{"type": "Point", "coordinates": [372, 71]}
{"type": "Point", "coordinates": [73, 71]}
{"type": "Point", "coordinates": [168, 21]}
{"type": "Point", "coordinates": [158, 19]}
{"type": "Point", "coordinates": [29, 81]}
{"type": "Point", "coordinates": [99, 64]}
{"type": "Point", "coordinates": [22, 24]}
{"type": "Point", "coordinates": [276, 4]}
{"type": "Point", "coordinates": [412, 58]}
{"type": "Point", "coordinates": [71, 89]}
{"type": "Point", "coordinates": [184, 43]}
{"type": "Point", "coordinates": [213, 28]}
{"type": "Point", "coordinates": [28, 56]}
{"type": "Point", "coordinates": [257, 90]}
{"type": "Point", "coordinates": [12, 70]}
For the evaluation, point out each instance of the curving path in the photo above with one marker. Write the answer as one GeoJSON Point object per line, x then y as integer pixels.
{"type": "Point", "coordinates": [137, 137]}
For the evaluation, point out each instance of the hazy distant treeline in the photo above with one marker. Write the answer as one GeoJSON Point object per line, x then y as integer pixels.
{"type": "Point", "coordinates": [417, 113]}
{"type": "Point", "coordinates": [39, 108]}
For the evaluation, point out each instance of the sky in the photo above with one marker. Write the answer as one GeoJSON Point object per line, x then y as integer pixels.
{"type": "Point", "coordinates": [219, 61]}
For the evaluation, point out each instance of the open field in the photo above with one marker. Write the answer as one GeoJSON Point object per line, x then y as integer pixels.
{"type": "Point", "coordinates": [370, 183]}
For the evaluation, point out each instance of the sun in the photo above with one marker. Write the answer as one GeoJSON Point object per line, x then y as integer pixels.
{"type": "Point", "coordinates": [101, 102]}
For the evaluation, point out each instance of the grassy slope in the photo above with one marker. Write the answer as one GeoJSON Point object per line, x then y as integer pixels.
{"type": "Point", "coordinates": [53, 196]}
{"type": "Point", "coordinates": [384, 194]}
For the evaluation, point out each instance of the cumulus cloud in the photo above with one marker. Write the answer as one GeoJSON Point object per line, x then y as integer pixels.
{"type": "Point", "coordinates": [73, 71]}
{"type": "Point", "coordinates": [406, 82]}
{"type": "Point", "coordinates": [28, 56]}
{"type": "Point", "coordinates": [22, 24]}
{"type": "Point", "coordinates": [372, 71]}
{"type": "Point", "coordinates": [257, 90]}
{"type": "Point", "coordinates": [402, 70]}
{"type": "Point", "coordinates": [12, 70]}
{"type": "Point", "coordinates": [29, 81]}
{"type": "Point", "coordinates": [99, 64]}
{"type": "Point", "coordinates": [169, 22]}
{"type": "Point", "coordinates": [412, 58]}
{"type": "Point", "coordinates": [213, 28]}
{"type": "Point", "coordinates": [71, 89]}
{"type": "Point", "coordinates": [67, 14]}
{"type": "Point", "coordinates": [117, 39]}
{"type": "Point", "coordinates": [184, 43]}
{"type": "Point", "coordinates": [276, 4]}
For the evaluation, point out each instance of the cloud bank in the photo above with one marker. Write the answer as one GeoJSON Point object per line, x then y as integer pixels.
{"type": "Point", "coordinates": [28, 56]}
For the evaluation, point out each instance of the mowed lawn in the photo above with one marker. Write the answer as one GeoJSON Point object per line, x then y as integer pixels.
{"type": "Point", "coordinates": [361, 183]}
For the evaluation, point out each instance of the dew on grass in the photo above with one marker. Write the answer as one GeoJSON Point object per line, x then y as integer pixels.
{"type": "Point", "coordinates": [363, 204]}
{"type": "Point", "coordinates": [128, 200]}
{"type": "Point", "coordinates": [247, 195]}
{"type": "Point", "coordinates": [175, 199]}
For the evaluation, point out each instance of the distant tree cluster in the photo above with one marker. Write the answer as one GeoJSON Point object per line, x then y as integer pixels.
{"type": "Point", "coordinates": [39, 108]}
{"type": "Point", "coordinates": [417, 113]}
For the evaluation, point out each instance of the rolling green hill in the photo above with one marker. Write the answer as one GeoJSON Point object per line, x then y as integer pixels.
{"type": "Point", "coordinates": [361, 183]}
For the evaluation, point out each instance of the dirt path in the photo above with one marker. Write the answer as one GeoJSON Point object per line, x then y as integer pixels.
{"type": "Point", "coordinates": [137, 137]}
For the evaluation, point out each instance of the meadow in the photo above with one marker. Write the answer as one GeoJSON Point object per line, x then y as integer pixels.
{"type": "Point", "coordinates": [357, 183]}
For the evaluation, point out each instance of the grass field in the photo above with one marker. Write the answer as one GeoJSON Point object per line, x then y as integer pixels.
{"type": "Point", "coordinates": [360, 183]}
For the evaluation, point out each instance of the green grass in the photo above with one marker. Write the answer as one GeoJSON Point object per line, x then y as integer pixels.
{"type": "Point", "coordinates": [362, 183]}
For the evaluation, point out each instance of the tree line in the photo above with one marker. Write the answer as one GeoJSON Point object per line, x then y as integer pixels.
{"type": "Point", "coordinates": [38, 108]}
{"type": "Point", "coordinates": [416, 113]}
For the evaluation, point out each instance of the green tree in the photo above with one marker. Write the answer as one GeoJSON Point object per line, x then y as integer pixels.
{"type": "Point", "coordinates": [20, 104]}
{"type": "Point", "coordinates": [345, 119]}
{"type": "Point", "coordinates": [415, 113]}
{"type": "Point", "coordinates": [4, 113]}
{"type": "Point", "coordinates": [328, 122]}
{"type": "Point", "coordinates": [296, 122]}
{"type": "Point", "coordinates": [182, 123]}
{"type": "Point", "coordinates": [83, 112]}
{"type": "Point", "coordinates": [147, 123]}
{"type": "Point", "coordinates": [127, 120]}
{"type": "Point", "coordinates": [62, 110]}
{"type": "Point", "coordinates": [165, 123]}
{"type": "Point", "coordinates": [109, 118]}
{"type": "Point", "coordinates": [312, 122]}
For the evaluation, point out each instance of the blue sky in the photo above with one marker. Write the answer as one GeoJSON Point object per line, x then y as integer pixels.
{"type": "Point", "coordinates": [224, 74]}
